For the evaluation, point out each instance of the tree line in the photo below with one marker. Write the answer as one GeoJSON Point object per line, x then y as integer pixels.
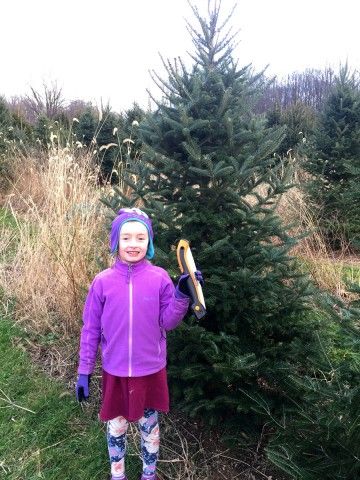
{"type": "Point", "coordinates": [319, 110]}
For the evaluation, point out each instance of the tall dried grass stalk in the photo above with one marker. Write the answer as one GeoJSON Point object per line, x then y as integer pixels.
{"type": "Point", "coordinates": [325, 267]}
{"type": "Point", "coordinates": [61, 230]}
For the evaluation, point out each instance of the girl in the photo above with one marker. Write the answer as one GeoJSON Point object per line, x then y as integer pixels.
{"type": "Point", "coordinates": [129, 309]}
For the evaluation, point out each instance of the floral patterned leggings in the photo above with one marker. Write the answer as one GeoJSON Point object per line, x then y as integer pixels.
{"type": "Point", "coordinates": [150, 440]}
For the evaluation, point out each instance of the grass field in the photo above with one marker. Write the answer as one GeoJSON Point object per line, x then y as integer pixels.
{"type": "Point", "coordinates": [44, 432]}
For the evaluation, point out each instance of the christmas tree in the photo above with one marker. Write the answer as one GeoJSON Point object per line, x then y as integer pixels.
{"type": "Point", "coordinates": [208, 174]}
{"type": "Point", "coordinates": [334, 159]}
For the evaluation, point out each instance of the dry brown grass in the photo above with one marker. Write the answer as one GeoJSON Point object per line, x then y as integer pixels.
{"type": "Point", "coordinates": [190, 450]}
{"type": "Point", "coordinates": [60, 231]}
{"type": "Point", "coordinates": [325, 266]}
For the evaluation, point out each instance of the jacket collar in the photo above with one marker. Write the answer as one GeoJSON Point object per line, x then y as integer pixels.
{"type": "Point", "coordinates": [124, 267]}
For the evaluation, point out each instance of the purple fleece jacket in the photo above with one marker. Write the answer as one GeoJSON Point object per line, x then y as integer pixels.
{"type": "Point", "coordinates": [128, 309]}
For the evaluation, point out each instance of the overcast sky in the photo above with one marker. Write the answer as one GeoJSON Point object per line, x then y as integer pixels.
{"type": "Point", "coordinates": [104, 49]}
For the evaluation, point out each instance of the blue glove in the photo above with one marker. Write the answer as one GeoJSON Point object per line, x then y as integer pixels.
{"type": "Point", "coordinates": [182, 287]}
{"type": "Point", "coordinates": [199, 277]}
{"type": "Point", "coordinates": [82, 387]}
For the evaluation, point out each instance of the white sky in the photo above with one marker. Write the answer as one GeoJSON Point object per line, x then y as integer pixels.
{"type": "Point", "coordinates": [104, 49]}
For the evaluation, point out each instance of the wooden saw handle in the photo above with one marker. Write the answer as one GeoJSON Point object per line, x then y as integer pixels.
{"type": "Point", "coordinates": [187, 266]}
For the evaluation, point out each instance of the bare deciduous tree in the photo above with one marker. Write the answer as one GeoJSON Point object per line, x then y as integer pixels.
{"type": "Point", "coordinates": [310, 87]}
{"type": "Point", "coordinates": [50, 102]}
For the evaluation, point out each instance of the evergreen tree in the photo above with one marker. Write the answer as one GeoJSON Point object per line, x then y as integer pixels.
{"type": "Point", "coordinates": [23, 131]}
{"type": "Point", "coordinates": [5, 115]}
{"type": "Point", "coordinates": [128, 141]}
{"type": "Point", "coordinates": [320, 436]}
{"type": "Point", "coordinates": [15, 132]}
{"type": "Point", "coordinates": [334, 158]}
{"type": "Point", "coordinates": [5, 124]}
{"type": "Point", "coordinates": [42, 131]}
{"type": "Point", "coordinates": [208, 175]}
{"type": "Point", "coordinates": [98, 133]}
{"type": "Point", "coordinates": [86, 128]}
{"type": "Point", "coordinates": [108, 150]}
{"type": "Point", "coordinates": [300, 121]}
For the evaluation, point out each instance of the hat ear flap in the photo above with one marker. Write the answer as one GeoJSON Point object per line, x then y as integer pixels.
{"type": "Point", "coordinates": [114, 238]}
{"type": "Point", "coordinates": [150, 250]}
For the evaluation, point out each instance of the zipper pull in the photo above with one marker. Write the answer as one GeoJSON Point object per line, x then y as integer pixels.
{"type": "Point", "coordinates": [128, 273]}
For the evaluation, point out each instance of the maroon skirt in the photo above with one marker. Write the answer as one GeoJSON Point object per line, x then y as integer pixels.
{"type": "Point", "coordinates": [130, 396]}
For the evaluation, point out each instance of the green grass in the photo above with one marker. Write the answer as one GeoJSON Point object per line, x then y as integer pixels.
{"type": "Point", "coordinates": [348, 273]}
{"type": "Point", "coordinates": [56, 440]}
{"type": "Point", "coordinates": [6, 218]}
{"type": "Point", "coordinates": [7, 224]}
{"type": "Point", "coordinates": [351, 274]}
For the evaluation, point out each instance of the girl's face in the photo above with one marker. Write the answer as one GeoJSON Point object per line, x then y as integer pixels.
{"type": "Point", "coordinates": [133, 242]}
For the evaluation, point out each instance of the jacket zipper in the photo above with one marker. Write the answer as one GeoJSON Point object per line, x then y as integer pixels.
{"type": "Point", "coordinates": [129, 278]}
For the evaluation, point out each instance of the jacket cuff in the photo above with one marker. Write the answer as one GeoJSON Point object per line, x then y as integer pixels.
{"type": "Point", "coordinates": [179, 295]}
{"type": "Point", "coordinates": [84, 371]}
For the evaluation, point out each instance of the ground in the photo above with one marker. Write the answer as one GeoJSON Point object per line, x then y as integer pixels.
{"type": "Point", "coordinates": [188, 449]}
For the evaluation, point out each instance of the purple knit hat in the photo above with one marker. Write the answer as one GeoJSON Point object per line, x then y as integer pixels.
{"type": "Point", "coordinates": [127, 215]}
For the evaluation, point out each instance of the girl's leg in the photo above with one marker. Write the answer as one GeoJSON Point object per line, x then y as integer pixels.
{"type": "Point", "coordinates": [150, 440]}
{"type": "Point", "coordinates": [116, 440]}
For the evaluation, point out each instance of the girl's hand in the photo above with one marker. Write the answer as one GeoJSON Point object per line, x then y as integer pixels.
{"type": "Point", "coordinates": [182, 283]}
{"type": "Point", "coordinates": [82, 387]}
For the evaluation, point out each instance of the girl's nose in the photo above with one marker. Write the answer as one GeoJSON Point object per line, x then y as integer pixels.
{"type": "Point", "coordinates": [134, 242]}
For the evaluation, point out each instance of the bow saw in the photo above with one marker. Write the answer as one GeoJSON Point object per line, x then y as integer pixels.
{"type": "Point", "coordinates": [187, 266]}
